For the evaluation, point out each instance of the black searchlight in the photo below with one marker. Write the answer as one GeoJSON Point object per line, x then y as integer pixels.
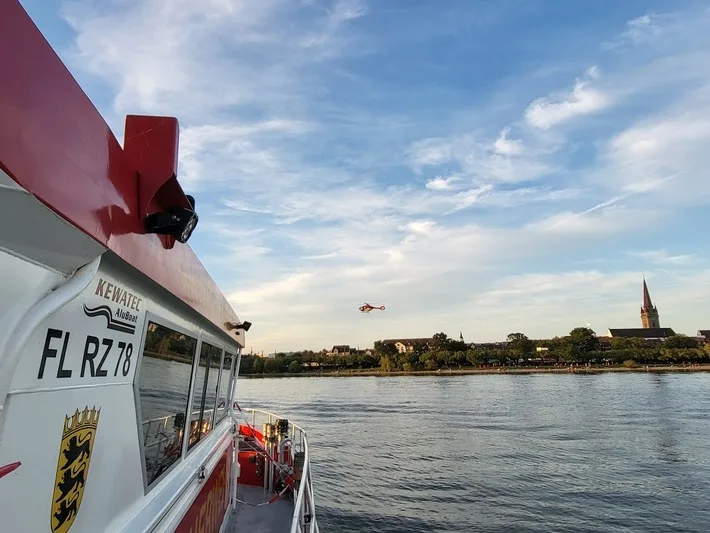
{"type": "Point", "coordinates": [178, 222]}
{"type": "Point", "coordinates": [242, 325]}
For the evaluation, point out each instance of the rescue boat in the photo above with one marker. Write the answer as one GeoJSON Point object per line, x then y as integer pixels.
{"type": "Point", "coordinates": [119, 355]}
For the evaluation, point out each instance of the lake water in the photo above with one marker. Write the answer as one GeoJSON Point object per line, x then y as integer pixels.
{"type": "Point", "coordinates": [503, 453]}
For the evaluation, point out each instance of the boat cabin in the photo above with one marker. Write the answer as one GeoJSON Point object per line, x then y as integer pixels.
{"type": "Point", "coordinates": [119, 354]}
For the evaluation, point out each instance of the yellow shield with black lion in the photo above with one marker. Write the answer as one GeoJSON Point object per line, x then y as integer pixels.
{"type": "Point", "coordinates": [73, 467]}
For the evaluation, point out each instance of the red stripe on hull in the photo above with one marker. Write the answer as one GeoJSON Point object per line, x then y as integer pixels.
{"type": "Point", "coordinates": [206, 513]}
{"type": "Point", "coordinates": [55, 144]}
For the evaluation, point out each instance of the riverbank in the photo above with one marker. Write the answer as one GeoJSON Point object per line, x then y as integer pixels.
{"type": "Point", "coordinates": [497, 370]}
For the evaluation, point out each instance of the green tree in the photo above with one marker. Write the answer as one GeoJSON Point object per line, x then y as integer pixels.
{"type": "Point", "coordinates": [385, 349]}
{"type": "Point", "coordinates": [519, 345]}
{"type": "Point", "coordinates": [271, 365]}
{"type": "Point", "coordinates": [441, 357]}
{"type": "Point", "coordinates": [428, 361]}
{"type": "Point", "coordinates": [430, 364]}
{"type": "Point", "coordinates": [628, 343]}
{"type": "Point", "coordinates": [558, 348]}
{"type": "Point", "coordinates": [680, 341]}
{"type": "Point", "coordinates": [440, 341]}
{"type": "Point", "coordinates": [258, 365]}
{"type": "Point", "coordinates": [407, 359]}
{"type": "Point", "coordinates": [294, 367]}
{"type": "Point", "coordinates": [475, 357]}
{"type": "Point", "coordinates": [369, 361]}
{"type": "Point", "coordinates": [581, 342]}
{"type": "Point", "coordinates": [419, 348]}
{"type": "Point", "coordinates": [456, 345]}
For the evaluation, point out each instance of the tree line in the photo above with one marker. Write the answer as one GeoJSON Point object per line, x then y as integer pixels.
{"type": "Point", "coordinates": [581, 346]}
{"type": "Point", "coordinates": [305, 361]}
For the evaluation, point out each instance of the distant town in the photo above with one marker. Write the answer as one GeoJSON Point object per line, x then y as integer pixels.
{"type": "Point", "coordinates": [650, 344]}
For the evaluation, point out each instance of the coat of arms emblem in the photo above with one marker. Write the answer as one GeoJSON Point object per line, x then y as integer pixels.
{"type": "Point", "coordinates": [73, 467]}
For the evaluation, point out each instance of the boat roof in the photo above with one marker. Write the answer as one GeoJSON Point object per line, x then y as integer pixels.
{"type": "Point", "coordinates": [56, 145]}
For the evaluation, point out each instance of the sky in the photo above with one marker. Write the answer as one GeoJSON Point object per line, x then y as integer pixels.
{"type": "Point", "coordinates": [479, 167]}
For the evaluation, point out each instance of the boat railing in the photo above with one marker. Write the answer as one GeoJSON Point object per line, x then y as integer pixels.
{"type": "Point", "coordinates": [304, 509]}
{"type": "Point", "coordinates": [162, 433]}
{"type": "Point", "coordinates": [155, 429]}
{"type": "Point", "coordinates": [158, 434]}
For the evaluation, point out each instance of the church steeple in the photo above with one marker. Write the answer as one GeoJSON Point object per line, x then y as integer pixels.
{"type": "Point", "coordinates": [649, 314]}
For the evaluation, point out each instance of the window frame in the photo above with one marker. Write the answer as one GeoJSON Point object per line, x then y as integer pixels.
{"type": "Point", "coordinates": [213, 342]}
{"type": "Point", "coordinates": [236, 350]}
{"type": "Point", "coordinates": [234, 376]}
{"type": "Point", "coordinates": [168, 324]}
{"type": "Point", "coordinates": [230, 377]}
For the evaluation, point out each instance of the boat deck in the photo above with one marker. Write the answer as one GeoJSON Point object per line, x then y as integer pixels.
{"type": "Point", "coordinates": [272, 518]}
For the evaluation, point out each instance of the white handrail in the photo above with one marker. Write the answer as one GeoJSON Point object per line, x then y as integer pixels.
{"type": "Point", "coordinates": [298, 506]}
{"type": "Point", "coordinates": [54, 299]}
{"type": "Point", "coordinates": [304, 503]}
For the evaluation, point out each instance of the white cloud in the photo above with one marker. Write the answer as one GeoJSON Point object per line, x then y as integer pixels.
{"type": "Point", "coordinates": [421, 227]}
{"type": "Point", "coordinates": [638, 31]}
{"type": "Point", "coordinates": [640, 28]}
{"type": "Point", "coordinates": [354, 203]}
{"type": "Point", "coordinates": [604, 217]}
{"type": "Point", "coordinates": [664, 156]}
{"type": "Point", "coordinates": [556, 109]}
{"type": "Point", "coordinates": [550, 289]}
{"type": "Point", "coordinates": [530, 195]}
{"type": "Point", "coordinates": [243, 143]}
{"type": "Point", "coordinates": [593, 72]}
{"type": "Point", "coordinates": [440, 183]}
{"type": "Point", "coordinates": [342, 11]}
{"type": "Point", "coordinates": [430, 152]}
{"type": "Point", "coordinates": [506, 146]}
{"type": "Point", "coordinates": [480, 162]}
{"type": "Point", "coordinates": [664, 257]}
{"type": "Point", "coordinates": [203, 56]}
{"type": "Point", "coordinates": [292, 284]}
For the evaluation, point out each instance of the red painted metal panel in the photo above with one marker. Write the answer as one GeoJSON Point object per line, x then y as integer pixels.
{"type": "Point", "coordinates": [151, 145]}
{"type": "Point", "coordinates": [249, 472]}
{"type": "Point", "coordinates": [207, 511]}
{"type": "Point", "coordinates": [56, 145]}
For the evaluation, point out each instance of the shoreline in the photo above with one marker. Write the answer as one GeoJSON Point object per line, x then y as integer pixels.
{"type": "Point", "coordinates": [485, 371]}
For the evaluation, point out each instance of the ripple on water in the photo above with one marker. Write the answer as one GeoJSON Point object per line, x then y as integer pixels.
{"type": "Point", "coordinates": [552, 453]}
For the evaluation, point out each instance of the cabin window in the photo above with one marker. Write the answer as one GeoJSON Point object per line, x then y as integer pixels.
{"type": "Point", "coordinates": [163, 385]}
{"type": "Point", "coordinates": [204, 392]}
{"type": "Point", "coordinates": [223, 395]}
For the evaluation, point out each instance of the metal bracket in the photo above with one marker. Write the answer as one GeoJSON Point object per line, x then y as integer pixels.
{"type": "Point", "coordinates": [201, 474]}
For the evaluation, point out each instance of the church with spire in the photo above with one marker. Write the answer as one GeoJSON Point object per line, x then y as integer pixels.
{"type": "Point", "coordinates": [650, 322]}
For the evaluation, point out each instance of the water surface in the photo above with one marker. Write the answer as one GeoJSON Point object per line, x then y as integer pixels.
{"type": "Point", "coordinates": [503, 453]}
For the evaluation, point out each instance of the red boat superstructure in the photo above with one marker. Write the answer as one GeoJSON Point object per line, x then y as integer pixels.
{"type": "Point", "coordinates": [119, 354]}
{"type": "Point", "coordinates": [56, 146]}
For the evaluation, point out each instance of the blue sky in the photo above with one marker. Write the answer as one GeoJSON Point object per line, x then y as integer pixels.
{"type": "Point", "coordinates": [486, 167]}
